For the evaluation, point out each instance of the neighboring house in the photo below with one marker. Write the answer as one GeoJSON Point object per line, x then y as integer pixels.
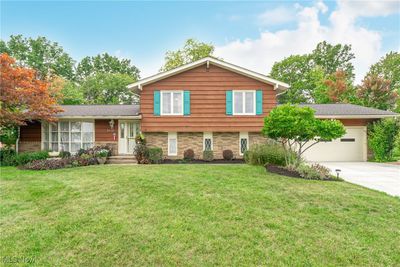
{"type": "Point", "coordinates": [207, 104]}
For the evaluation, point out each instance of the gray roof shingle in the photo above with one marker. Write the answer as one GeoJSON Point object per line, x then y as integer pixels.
{"type": "Point", "coordinates": [346, 110]}
{"type": "Point", "coordinates": [99, 110]}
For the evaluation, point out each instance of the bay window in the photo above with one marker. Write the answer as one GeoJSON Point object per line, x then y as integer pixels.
{"type": "Point", "coordinates": [171, 103]}
{"type": "Point", "coordinates": [67, 135]}
{"type": "Point", "coordinates": [244, 102]}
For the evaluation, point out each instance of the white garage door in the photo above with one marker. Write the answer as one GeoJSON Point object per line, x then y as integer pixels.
{"type": "Point", "coordinates": [351, 147]}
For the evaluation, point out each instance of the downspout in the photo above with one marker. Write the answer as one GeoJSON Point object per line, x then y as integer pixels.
{"type": "Point", "coordinates": [17, 141]}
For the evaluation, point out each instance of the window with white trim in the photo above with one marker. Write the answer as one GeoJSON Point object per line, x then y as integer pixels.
{"type": "Point", "coordinates": [172, 144]}
{"type": "Point", "coordinates": [207, 141]}
{"type": "Point", "coordinates": [244, 102]}
{"type": "Point", "coordinates": [243, 142]}
{"type": "Point", "coordinates": [67, 135]}
{"type": "Point", "coordinates": [171, 102]}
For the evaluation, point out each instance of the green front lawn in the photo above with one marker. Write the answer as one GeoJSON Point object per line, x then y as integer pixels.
{"type": "Point", "coordinates": [193, 215]}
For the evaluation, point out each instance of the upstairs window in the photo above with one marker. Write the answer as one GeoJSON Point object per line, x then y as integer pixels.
{"type": "Point", "coordinates": [244, 102]}
{"type": "Point", "coordinates": [172, 103]}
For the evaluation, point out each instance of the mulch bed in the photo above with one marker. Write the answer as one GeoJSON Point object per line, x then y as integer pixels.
{"type": "Point", "coordinates": [199, 161]}
{"type": "Point", "coordinates": [282, 171]}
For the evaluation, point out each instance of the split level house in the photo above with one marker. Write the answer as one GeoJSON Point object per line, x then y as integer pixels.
{"type": "Point", "coordinates": [208, 104]}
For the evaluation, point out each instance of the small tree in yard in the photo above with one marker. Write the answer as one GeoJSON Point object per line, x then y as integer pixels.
{"type": "Point", "coordinates": [297, 129]}
{"type": "Point", "coordinates": [23, 97]}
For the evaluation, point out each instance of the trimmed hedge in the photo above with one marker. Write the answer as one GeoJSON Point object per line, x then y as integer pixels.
{"type": "Point", "coordinates": [26, 157]}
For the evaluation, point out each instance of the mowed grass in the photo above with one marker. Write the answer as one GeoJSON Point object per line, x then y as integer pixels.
{"type": "Point", "coordinates": [197, 215]}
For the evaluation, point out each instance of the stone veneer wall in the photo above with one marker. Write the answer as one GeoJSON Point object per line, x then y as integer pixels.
{"type": "Point", "coordinates": [224, 141]}
{"type": "Point", "coordinates": [256, 139]}
{"type": "Point", "coordinates": [158, 140]}
{"type": "Point", "coordinates": [112, 144]}
{"type": "Point", "coordinates": [221, 142]}
{"type": "Point", "coordinates": [27, 146]}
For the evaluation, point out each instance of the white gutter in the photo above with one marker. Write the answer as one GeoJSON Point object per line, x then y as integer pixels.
{"type": "Point", "coordinates": [138, 117]}
{"type": "Point", "coordinates": [355, 116]}
{"type": "Point", "coordinates": [17, 141]}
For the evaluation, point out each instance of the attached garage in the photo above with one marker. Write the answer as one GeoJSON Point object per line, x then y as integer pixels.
{"type": "Point", "coordinates": [353, 145]}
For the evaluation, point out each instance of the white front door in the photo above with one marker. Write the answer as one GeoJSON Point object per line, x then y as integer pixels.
{"type": "Point", "coordinates": [126, 136]}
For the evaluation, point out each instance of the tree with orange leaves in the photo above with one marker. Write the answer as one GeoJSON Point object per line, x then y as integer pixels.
{"type": "Point", "coordinates": [22, 96]}
{"type": "Point", "coordinates": [339, 89]}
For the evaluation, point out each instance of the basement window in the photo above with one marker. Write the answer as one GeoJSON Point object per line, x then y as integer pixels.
{"type": "Point", "coordinates": [207, 141]}
{"type": "Point", "coordinates": [243, 142]}
{"type": "Point", "coordinates": [172, 144]}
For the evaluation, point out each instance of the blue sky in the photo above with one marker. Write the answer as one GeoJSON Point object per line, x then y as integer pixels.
{"type": "Point", "coordinates": [252, 34]}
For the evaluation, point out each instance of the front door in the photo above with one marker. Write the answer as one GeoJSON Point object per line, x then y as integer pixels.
{"type": "Point", "coordinates": [127, 133]}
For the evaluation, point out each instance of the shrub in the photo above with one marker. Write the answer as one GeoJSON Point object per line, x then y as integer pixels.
{"type": "Point", "coordinates": [381, 138]}
{"type": "Point", "coordinates": [188, 154]}
{"type": "Point", "coordinates": [315, 172]}
{"type": "Point", "coordinates": [47, 164]}
{"type": "Point", "coordinates": [208, 155]}
{"type": "Point", "coordinates": [227, 154]}
{"type": "Point", "coordinates": [52, 164]}
{"type": "Point", "coordinates": [266, 153]}
{"type": "Point", "coordinates": [155, 155]}
{"type": "Point", "coordinates": [7, 157]}
{"type": "Point", "coordinates": [26, 157]}
{"type": "Point", "coordinates": [65, 154]}
{"type": "Point", "coordinates": [141, 153]}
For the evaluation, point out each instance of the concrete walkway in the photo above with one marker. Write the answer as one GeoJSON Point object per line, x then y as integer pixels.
{"type": "Point", "coordinates": [378, 176]}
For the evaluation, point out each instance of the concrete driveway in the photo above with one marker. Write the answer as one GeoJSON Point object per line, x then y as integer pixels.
{"type": "Point", "coordinates": [378, 176]}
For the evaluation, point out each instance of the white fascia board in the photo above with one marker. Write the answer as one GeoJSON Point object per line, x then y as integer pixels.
{"type": "Point", "coordinates": [258, 76]}
{"type": "Point", "coordinates": [355, 116]}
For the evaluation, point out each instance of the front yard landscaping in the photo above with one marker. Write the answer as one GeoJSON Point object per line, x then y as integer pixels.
{"type": "Point", "coordinates": [200, 215]}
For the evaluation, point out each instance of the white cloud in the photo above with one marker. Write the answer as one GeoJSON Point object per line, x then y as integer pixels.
{"type": "Point", "coordinates": [259, 54]}
{"type": "Point", "coordinates": [369, 8]}
{"type": "Point", "coordinates": [276, 16]}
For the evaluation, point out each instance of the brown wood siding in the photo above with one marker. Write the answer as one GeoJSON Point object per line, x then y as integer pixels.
{"type": "Point", "coordinates": [103, 132]}
{"type": "Point", "coordinates": [355, 122]}
{"type": "Point", "coordinates": [207, 102]}
{"type": "Point", "coordinates": [32, 132]}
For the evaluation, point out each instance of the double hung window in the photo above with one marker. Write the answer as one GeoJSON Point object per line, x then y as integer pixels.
{"type": "Point", "coordinates": [171, 103]}
{"type": "Point", "coordinates": [244, 102]}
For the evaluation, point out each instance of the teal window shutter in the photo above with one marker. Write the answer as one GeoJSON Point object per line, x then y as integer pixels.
{"type": "Point", "coordinates": [228, 102]}
{"type": "Point", "coordinates": [259, 102]}
{"type": "Point", "coordinates": [186, 102]}
{"type": "Point", "coordinates": [156, 103]}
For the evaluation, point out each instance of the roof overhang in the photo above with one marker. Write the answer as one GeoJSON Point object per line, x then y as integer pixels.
{"type": "Point", "coordinates": [278, 86]}
{"type": "Point", "coordinates": [355, 116]}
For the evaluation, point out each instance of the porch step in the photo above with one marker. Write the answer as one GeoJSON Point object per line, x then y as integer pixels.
{"type": "Point", "coordinates": [122, 159]}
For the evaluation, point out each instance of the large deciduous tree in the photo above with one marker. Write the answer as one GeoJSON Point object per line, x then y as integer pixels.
{"type": "Point", "coordinates": [192, 50]}
{"type": "Point", "coordinates": [105, 63]}
{"type": "Point", "coordinates": [307, 73]}
{"type": "Point", "coordinates": [388, 67]}
{"type": "Point", "coordinates": [23, 96]}
{"type": "Point", "coordinates": [297, 129]}
{"type": "Point", "coordinates": [334, 57]}
{"type": "Point", "coordinates": [45, 57]}
{"type": "Point", "coordinates": [338, 89]}
{"type": "Point", "coordinates": [108, 88]}
{"type": "Point", "coordinates": [375, 92]}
